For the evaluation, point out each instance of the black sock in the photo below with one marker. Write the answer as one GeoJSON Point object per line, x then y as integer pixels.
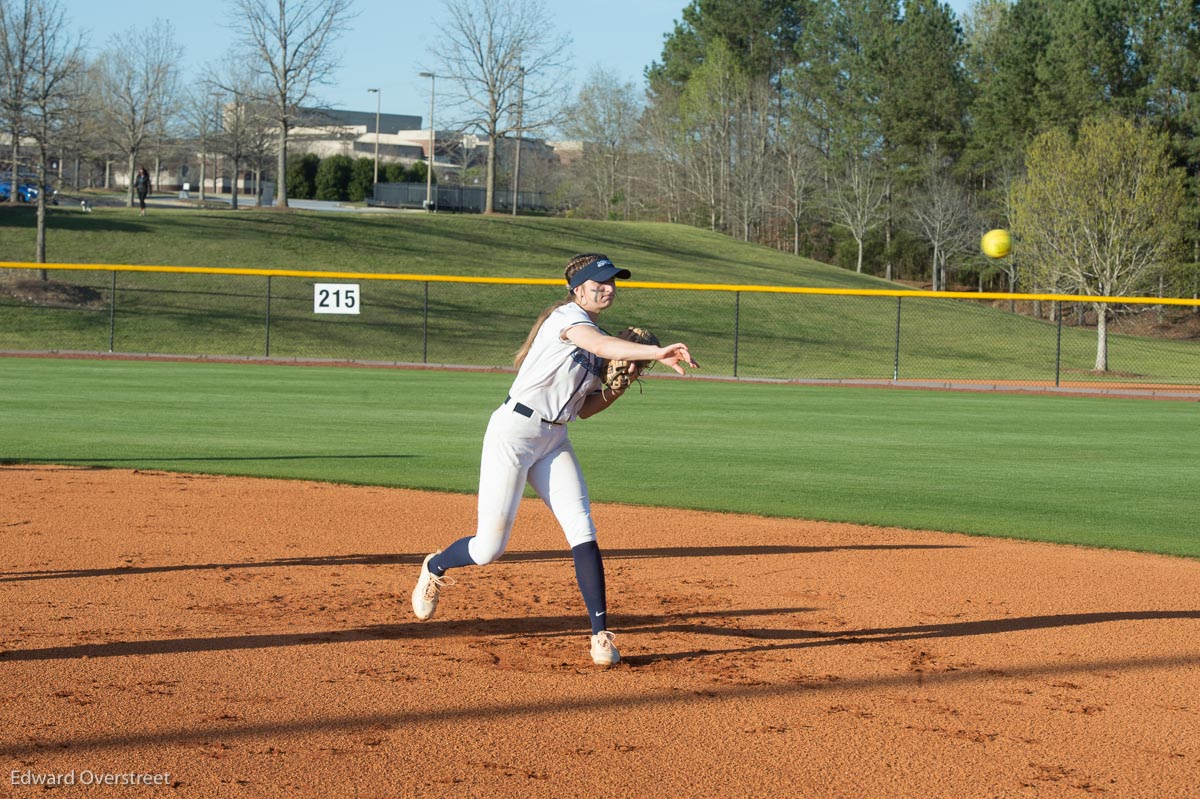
{"type": "Point", "coordinates": [453, 556]}
{"type": "Point", "coordinates": [589, 572]}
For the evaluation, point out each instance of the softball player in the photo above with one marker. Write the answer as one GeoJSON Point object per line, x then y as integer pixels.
{"type": "Point", "coordinates": [558, 380]}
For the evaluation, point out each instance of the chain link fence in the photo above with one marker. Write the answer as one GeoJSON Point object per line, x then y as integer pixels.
{"type": "Point", "coordinates": [903, 337]}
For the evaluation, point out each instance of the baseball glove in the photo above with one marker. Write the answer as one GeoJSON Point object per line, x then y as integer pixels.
{"type": "Point", "coordinates": [618, 375]}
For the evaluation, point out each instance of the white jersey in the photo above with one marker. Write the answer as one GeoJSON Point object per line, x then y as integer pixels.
{"type": "Point", "coordinates": [556, 376]}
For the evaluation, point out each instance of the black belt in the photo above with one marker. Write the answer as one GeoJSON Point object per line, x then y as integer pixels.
{"type": "Point", "coordinates": [525, 410]}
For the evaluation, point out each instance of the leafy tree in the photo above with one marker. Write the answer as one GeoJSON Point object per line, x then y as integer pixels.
{"type": "Point", "coordinates": [302, 177]}
{"type": "Point", "coordinates": [362, 180]}
{"type": "Point", "coordinates": [1099, 215]}
{"type": "Point", "coordinates": [1005, 44]}
{"type": "Point", "coordinates": [1167, 42]}
{"type": "Point", "coordinates": [845, 55]}
{"type": "Point", "coordinates": [1085, 70]}
{"type": "Point", "coordinates": [417, 171]}
{"type": "Point", "coordinates": [399, 173]}
{"type": "Point", "coordinates": [707, 115]}
{"type": "Point", "coordinates": [333, 178]}
{"type": "Point", "coordinates": [395, 173]}
{"type": "Point", "coordinates": [760, 35]}
{"type": "Point", "coordinates": [925, 97]}
{"type": "Point", "coordinates": [923, 102]}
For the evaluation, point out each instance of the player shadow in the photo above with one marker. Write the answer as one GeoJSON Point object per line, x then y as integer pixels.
{"type": "Point", "coordinates": [415, 559]}
{"type": "Point", "coordinates": [547, 626]}
{"type": "Point", "coordinates": [115, 571]}
{"type": "Point", "coordinates": [99, 463]}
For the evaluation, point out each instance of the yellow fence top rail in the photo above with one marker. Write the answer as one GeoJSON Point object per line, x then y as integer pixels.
{"type": "Point", "coordinates": [514, 281]}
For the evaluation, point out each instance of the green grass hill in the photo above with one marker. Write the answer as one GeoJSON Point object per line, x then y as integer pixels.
{"type": "Point", "coordinates": [437, 244]}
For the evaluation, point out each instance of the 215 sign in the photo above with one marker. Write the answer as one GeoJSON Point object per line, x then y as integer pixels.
{"type": "Point", "coordinates": [335, 298]}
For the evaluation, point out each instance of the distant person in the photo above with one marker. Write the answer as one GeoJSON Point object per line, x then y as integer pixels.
{"type": "Point", "coordinates": [559, 374]}
{"type": "Point", "coordinates": [141, 184]}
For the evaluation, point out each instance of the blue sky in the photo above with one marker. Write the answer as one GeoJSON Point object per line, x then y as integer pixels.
{"type": "Point", "coordinates": [387, 43]}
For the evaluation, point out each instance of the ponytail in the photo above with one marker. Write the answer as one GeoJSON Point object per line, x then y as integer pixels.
{"type": "Point", "coordinates": [519, 358]}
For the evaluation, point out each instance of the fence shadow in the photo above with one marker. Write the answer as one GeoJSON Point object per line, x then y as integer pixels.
{"type": "Point", "coordinates": [593, 702]}
{"type": "Point", "coordinates": [415, 559]}
{"type": "Point", "coordinates": [555, 626]}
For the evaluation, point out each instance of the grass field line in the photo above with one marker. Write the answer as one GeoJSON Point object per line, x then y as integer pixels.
{"type": "Point", "coordinates": [1118, 390]}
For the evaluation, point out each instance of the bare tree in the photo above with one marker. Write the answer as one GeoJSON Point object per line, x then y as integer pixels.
{"type": "Point", "coordinates": [661, 131]}
{"type": "Point", "coordinates": [54, 65]}
{"type": "Point", "coordinates": [241, 126]}
{"type": "Point", "coordinates": [855, 199]}
{"type": "Point", "coordinates": [77, 134]}
{"type": "Point", "coordinates": [941, 213]}
{"type": "Point", "coordinates": [201, 115]}
{"type": "Point", "coordinates": [798, 174]}
{"type": "Point", "coordinates": [498, 55]}
{"type": "Point", "coordinates": [755, 136]}
{"type": "Point", "coordinates": [138, 87]}
{"type": "Point", "coordinates": [292, 46]}
{"type": "Point", "coordinates": [604, 119]}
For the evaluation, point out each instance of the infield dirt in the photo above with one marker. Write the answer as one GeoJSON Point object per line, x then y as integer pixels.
{"type": "Point", "coordinates": [253, 638]}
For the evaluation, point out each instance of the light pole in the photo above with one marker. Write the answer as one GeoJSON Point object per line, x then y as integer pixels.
{"type": "Point", "coordinates": [429, 166]}
{"type": "Point", "coordinates": [378, 97]}
{"type": "Point", "coordinates": [520, 123]}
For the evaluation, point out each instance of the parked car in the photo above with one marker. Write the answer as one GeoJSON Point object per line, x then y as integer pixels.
{"type": "Point", "coordinates": [27, 189]}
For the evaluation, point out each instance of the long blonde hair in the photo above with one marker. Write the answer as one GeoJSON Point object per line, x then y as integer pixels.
{"type": "Point", "coordinates": [573, 266]}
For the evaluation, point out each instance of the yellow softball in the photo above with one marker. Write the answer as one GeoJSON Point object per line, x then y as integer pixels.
{"type": "Point", "coordinates": [996, 243]}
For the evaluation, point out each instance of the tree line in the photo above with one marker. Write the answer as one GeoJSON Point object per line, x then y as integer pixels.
{"type": "Point", "coordinates": [886, 135]}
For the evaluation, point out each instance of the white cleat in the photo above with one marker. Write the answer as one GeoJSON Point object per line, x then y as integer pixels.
{"type": "Point", "coordinates": [425, 595]}
{"type": "Point", "coordinates": [603, 651]}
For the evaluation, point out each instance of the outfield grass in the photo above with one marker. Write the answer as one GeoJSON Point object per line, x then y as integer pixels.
{"type": "Point", "coordinates": [1101, 472]}
{"type": "Point", "coordinates": [777, 336]}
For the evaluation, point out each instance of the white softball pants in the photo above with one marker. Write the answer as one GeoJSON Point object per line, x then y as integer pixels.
{"type": "Point", "coordinates": [516, 450]}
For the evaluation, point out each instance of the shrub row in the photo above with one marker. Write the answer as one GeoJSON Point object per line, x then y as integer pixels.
{"type": "Point", "coordinates": [346, 179]}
